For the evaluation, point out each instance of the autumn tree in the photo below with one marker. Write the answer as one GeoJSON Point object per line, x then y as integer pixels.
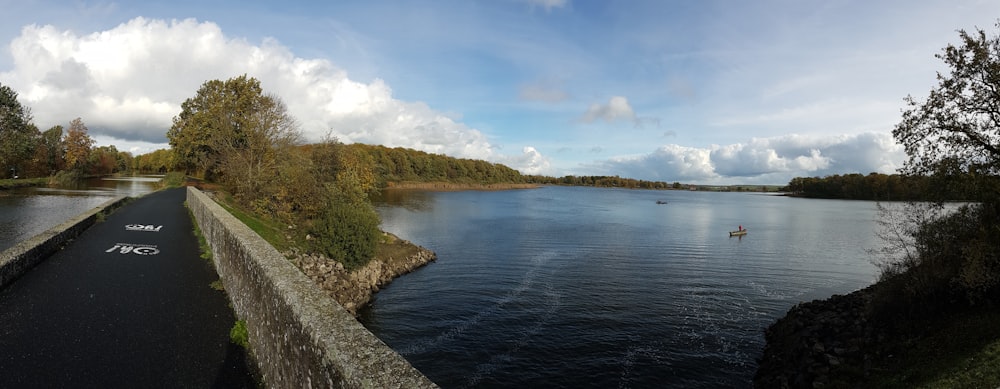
{"type": "Point", "coordinates": [957, 128]}
{"type": "Point", "coordinates": [78, 146]}
{"type": "Point", "coordinates": [17, 134]}
{"type": "Point", "coordinates": [953, 139]}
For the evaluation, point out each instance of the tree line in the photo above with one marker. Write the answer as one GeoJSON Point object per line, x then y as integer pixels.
{"type": "Point", "coordinates": [874, 186]}
{"type": "Point", "coordinates": [27, 152]}
{"type": "Point", "coordinates": [602, 182]}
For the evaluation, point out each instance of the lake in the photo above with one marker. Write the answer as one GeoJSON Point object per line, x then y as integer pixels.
{"type": "Point", "coordinates": [26, 212]}
{"type": "Point", "coordinates": [585, 287]}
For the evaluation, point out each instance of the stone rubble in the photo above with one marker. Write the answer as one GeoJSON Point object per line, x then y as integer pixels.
{"type": "Point", "coordinates": [354, 289]}
{"type": "Point", "coordinates": [823, 343]}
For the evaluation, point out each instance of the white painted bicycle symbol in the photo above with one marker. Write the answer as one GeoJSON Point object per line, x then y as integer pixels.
{"type": "Point", "coordinates": [138, 249]}
{"type": "Point", "coordinates": [142, 227]}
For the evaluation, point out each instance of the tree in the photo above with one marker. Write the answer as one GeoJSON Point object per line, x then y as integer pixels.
{"type": "Point", "coordinates": [17, 134]}
{"type": "Point", "coordinates": [232, 123]}
{"type": "Point", "coordinates": [51, 149]}
{"type": "Point", "coordinates": [952, 140]}
{"type": "Point", "coordinates": [78, 145]}
{"type": "Point", "coordinates": [957, 129]}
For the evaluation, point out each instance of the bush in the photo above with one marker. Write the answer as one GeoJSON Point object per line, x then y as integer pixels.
{"type": "Point", "coordinates": [238, 334]}
{"type": "Point", "coordinates": [173, 180]}
{"type": "Point", "coordinates": [347, 230]}
{"type": "Point", "coordinates": [956, 264]}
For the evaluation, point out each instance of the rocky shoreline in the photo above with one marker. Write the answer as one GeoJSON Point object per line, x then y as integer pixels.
{"type": "Point", "coordinates": [354, 289]}
{"type": "Point", "coordinates": [822, 343]}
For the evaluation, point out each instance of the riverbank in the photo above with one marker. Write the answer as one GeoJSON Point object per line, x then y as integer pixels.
{"type": "Point", "coordinates": [836, 343]}
{"type": "Point", "coordinates": [23, 182]}
{"type": "Point", "coordinates": [354, 289]}
{"type": "Point", "coordinates": [449, 186]}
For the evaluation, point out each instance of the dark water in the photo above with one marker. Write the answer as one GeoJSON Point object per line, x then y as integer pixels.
{"type": "Point", "coordinates": [25, 212]}
{"type": "Point", "coordinates": [604, 288]}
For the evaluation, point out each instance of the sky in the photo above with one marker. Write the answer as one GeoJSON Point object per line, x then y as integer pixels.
{"type": "Point", "coordinates": [700, 92]}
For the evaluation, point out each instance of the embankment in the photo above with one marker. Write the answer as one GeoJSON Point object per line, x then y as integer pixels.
{"type": "Point", "coordinates": [448, 186]}
{"type": "Point", "coordinates": [822, 343]}
{"type": "Point", "coordinates": [17, 260]}
{"type": "Point", "coordinates": [298, 335]}
{"type": "Point", "coordinates": [354, 289]}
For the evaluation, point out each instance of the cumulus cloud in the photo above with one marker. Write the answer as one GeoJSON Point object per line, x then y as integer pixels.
{"type": "Point", "coordinates": [532, 162]}
{"type": "Point", "coordinates": [127, 83]}
{"type": "Point", "coordinates": [616, 109]}
{"type": "Point", "coordinates": [763, 160]}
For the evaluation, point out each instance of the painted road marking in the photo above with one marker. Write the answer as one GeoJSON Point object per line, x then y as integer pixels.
{"type": "Point", "coordinates": [134, 248]}
{"type": "Point", "coordinates": [142, 227]}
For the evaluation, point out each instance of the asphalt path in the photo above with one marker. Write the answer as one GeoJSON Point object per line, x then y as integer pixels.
{"type": "Point", "coordinates": [127, 304]}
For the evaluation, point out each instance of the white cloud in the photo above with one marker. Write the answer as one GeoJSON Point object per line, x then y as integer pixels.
{"type": "Point", "coordinates": [128, 82]}
{"type": "Point", "coordinates": [530, 161]}
{"type": "Point", "coordinates": [616, 109]}
{"type": "Point", "coordinates": [762, 160]}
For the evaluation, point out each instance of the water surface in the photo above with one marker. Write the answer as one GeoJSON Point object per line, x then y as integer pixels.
{"type": "Point", "coordinates": [26, 212]}
{"type": "Point", "coordinates": [584, 287]}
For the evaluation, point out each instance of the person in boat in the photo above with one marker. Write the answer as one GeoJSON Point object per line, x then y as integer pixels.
{"type": "Point", "coordinates": [741, 227]}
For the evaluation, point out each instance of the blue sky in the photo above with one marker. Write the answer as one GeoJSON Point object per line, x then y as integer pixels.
{"type": "Point", "coordinates": [693, 91]}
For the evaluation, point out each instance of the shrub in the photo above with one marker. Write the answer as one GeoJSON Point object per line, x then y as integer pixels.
{"type": "Point", "coordinates": [238, 334]}
{"type": "Point", "coordinates": [346, 230]}
{"type": "Point", "coordinates": [956, 263]}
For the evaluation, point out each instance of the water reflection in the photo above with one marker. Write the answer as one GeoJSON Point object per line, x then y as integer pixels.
{"type": "Point", "coordinates": [26, 212]}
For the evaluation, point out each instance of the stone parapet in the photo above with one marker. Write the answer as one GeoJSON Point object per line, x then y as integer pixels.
{"type": "Point", "coordinates": [299, 336]}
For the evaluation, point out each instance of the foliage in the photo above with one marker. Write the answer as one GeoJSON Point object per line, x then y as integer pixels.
{"type": "Point", "coordinates": [401, 164]}
{"type": "Point", "coordinates": [235, 131]}
{"type": "Point", "coordinates": [874, 186]}
{"type": "Point", "coordinates": [347, 228]}
{"type": "Point", "coordinates": [50, 151]}
{"type": "Point", "coordinates": [603, 182]}
{"type": "Point", "coordinates": [957, 129]}
{"type": "Point", "coordinates": [67, 178]}
{"type": "Point", "coordinates": [949, 260]}
{"type": "Point", "coordinates": [173, 180]}
{"type": "Point", "coordinates": [78, 145]}
{"type": "Point", "coordinates": [234, 126]}
{"type": "Point", "coordinates": [238, 334]}
{"type": "Point", "coordinates": [158, 161]}
{"type": "Point", "coordinates": [17, 133]}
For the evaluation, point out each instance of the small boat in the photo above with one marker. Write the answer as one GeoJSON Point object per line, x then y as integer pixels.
{"type": "Point", "coordinates": [738, 233]}
{"type": "Point", "coordinates": [661, 202]}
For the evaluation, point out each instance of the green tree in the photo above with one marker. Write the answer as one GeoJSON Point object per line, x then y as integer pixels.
{"type": "Point", "coordinates": [17, 134]}
{"type": "Point", "coordinates": [233, 130]}
{"type": "Point", "coordinates": [50, 149]}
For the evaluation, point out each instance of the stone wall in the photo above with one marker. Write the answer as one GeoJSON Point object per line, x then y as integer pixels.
{"type": "Point", "coordinates": [299, 336]}
{"type": "Point", "coordinates": [20, 258]}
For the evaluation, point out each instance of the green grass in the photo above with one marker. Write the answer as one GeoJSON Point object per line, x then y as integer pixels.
{"type": "Point", "coordinates": [23, 182]}
{"type": "Point", "coordinates": [173, 180]}
{"type": "Point", "coordinates": [957, 351]}
{"type": "Point", "coordinates": [270, 230]}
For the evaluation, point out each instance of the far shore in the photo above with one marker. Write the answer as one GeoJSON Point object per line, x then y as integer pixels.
{"type": "Point", "coordinates": [450, 187]}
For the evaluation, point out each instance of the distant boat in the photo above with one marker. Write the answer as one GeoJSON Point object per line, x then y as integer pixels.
{"type": "Point", "coordinates": [738, 233]}
{"type": "Point", "coordinates": [660, 202]}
